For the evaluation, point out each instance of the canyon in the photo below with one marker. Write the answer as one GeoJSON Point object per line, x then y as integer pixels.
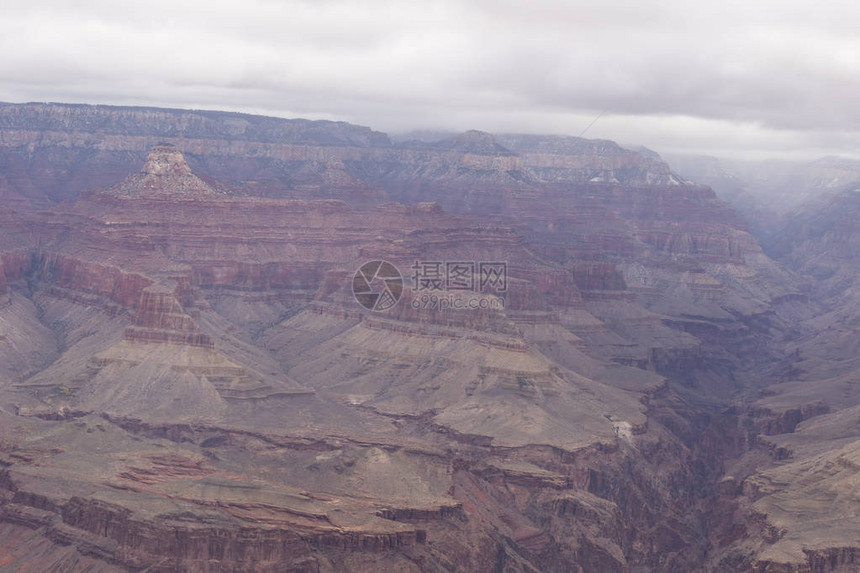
{"type": "Point", "coordinates": [188, 382]}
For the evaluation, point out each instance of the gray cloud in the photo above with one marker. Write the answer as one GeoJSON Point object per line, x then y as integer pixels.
{"type": "Point", "coordinates": [739, 78]}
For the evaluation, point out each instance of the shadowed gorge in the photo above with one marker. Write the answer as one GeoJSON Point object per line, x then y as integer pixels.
{"type": "Point", "coordinates": [189, 383]}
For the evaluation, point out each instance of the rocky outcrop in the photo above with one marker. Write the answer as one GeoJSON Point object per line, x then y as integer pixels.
{"type": "Point", "coordinates": [165, 174]}
{"type": "Point", "coordinates": [160, 318]}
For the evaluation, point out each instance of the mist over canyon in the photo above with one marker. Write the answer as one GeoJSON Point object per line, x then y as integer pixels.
{"type": "Point", "coordinates": [657, 375]}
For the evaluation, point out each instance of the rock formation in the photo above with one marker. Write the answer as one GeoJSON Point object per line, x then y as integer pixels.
{"type": "Point", "coordinates": [188, 382]}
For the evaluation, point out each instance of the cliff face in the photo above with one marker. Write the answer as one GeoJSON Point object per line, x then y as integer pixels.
{"type": "Point", "coordinates": [203, 391]}
{"type": "Point", "coordinates": [55, 151]}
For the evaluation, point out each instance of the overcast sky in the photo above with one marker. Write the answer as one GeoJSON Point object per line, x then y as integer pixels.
{"type": "Point", "coordinates": [729, 78]}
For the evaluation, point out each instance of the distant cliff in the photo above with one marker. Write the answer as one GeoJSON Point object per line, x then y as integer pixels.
{"type": "Point", "coordinates": [51, 152]}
